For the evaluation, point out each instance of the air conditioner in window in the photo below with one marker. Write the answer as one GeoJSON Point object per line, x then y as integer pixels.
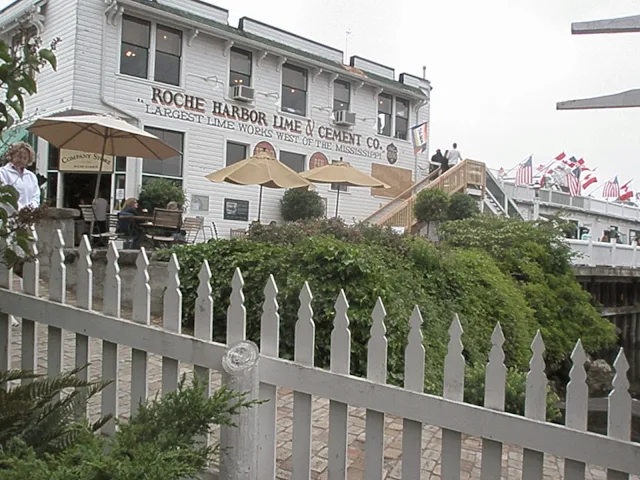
{"type": "Point", "coordinates": [242, 93]}
{"type": "Point", "coordinates": [344, 118]}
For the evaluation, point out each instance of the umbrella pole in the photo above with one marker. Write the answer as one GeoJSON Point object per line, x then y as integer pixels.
{"type": "Point", "coordinates": [95, 195]}
{"type": "Point", "coordinates": [337, 199]}
{"type": "Point", "coordinates": [260, 204]}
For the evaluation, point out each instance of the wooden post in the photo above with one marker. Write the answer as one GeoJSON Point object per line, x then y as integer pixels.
{"type": "Point", "coordinates": [239, 445]}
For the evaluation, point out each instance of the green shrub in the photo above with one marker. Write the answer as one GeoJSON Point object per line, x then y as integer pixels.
{"type": "Point", "coordinates": [462, 206]}
{"type": "Point", "coordinates": [431, 206]}
{"type": "Point", "coordinates": [159, 442]}
{"type": "Point", "coordinates": [301, 204]}
{"type": "Point", "coordinates": [157, 193]}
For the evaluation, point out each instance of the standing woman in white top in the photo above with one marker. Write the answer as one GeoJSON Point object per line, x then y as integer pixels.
{"type": "Point", "coordinates": [16, 174]}
{"type": "Point", "coordinates": [454, 155]}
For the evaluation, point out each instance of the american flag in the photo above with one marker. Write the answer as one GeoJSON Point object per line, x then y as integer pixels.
{"type": "Point", "coordinates": [611, 189]}
{"type": "Point", "coordinates": [524, 175]}
{"type": "Point", "coordinates": [573, 181]}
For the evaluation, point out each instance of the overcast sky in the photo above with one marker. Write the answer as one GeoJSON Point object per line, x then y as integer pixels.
{"type": "Point", "coordinates": [498, 68]}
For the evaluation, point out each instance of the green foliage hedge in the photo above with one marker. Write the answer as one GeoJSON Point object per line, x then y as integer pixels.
{"type": "Point", "coordinates": [301, 204]}
{"type": "Point", "coordinates": [159, 192]}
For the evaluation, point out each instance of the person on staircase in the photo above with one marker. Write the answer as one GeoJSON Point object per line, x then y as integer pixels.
{"type": "Point", "coordinates": [453, 155]}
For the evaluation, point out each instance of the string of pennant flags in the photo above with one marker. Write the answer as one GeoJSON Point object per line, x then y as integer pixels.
{"type": "Point", "coordinates": [569, 173]}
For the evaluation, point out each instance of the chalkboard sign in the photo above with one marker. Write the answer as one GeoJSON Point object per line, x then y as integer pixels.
{"type": "Point", "coordinates": [236, 210]}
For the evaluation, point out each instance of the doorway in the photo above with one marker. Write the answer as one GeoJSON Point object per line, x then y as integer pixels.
{"type": "Point", "coordinates": [79, 188]}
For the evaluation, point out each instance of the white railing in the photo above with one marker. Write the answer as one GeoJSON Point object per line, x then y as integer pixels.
{"type": "Point", "coordinates": [250, 451]}
{"type": "Point", "coordinates": [605, 254]}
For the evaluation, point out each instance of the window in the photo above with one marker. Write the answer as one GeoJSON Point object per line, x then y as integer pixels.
{"type": "Point", "coordinates": [294, 161]}
{"type": "Point", "coordinates": [134, 51]}
{"type": "Point", "coordinates": [120, 182]}
{"type": "Point", "coordinates": [385, 106]}
{"type": "Point", "coordinates": [236, 152]}
{"type": "Point", "coordinates": [240, 67]}
{"type": "Point", "coordinates": [341, 95]}
{"type": "Point", "coordinates": [402, 118]}
{"type": "Point", "coordinates": [339, 187]}
{"type": "Point", "coordinates": [171, 167]}
{"type": "Point", "coordinates": [168, 51]}
{"type": "Point", "coordinates": [294, 90]}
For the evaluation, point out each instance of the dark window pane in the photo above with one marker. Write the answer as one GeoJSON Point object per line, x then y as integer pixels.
{"type": "Point", "coordinates": [339, 186]}
{"type": "Point", "coordinates": [341, 95]}
{"type": "Point", "coordinates": [133, 60]}
{"type": "Point", "coordinates": [135, 32]}
{"type": "Point", "coordinates": [294, 101]}
{"type": "Point", "coordinates": [52, 188]}
{"type": "Point", "coordinates": [294, 161]}
{"type": "Point", "coordinates": [147, 179]}
{"type": "Point", "coordinates": [402, 126]}
{"type": "Point", "coordinates": [239, 79]}
{"type": "Point", "coordinates": [171, 167]}
{"type": "Point", "coordinates": [236, 152]}
{"type": "Point", "coordinates": [169, 41]}
{"type": "Point", "coordinates": [384, 103]}
{"type": "Point", "coordinates": [402, 108]}
{"type": "Point", "coordinates": [241, 61]}
{"type": "Point", "coordinates": [121, 164]}
{"type": "Point", "coordinates": [54, 158]}
{"type": "Point", "coordinates": [294, 77]}
{"type": "Point", "coordinates": [167, 68]}
{"type": "Point", "coordinates": [384, 124]}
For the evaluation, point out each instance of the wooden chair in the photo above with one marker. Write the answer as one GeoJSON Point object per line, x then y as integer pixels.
{"type": "Point", "coordinates": [192, 227]}
{"type": "Point", "coordinates": [167, 221]}
{"type": "Point", "coordinates": [213, 230]}
{"type": "Point", "coordinates": [89, 216]}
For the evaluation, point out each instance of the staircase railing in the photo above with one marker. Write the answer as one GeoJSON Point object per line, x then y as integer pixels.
{"type": "Point", "coordinates": [468, 173]}
{"type": "Point", "coordinates": [506, 204]}
{"type": "Point", "coordinates": [401, 198]}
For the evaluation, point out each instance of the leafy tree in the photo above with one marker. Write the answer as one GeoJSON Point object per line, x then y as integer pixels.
{"type": "Point", "coordinates": [19, 66]}
{"type": "Point", "coordinates": [159, 192]}
{"type": "Point", "coordinates": [300, 204]}
{"type": "Point", "coordinates": [462, 206]}
{"type": "Point", "coordinates": [431, 206]}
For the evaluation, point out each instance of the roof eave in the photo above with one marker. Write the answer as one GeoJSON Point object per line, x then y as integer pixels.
{"type": "Point", "coordinates": [221, 33]}
{"type": "Point", "coordinates": [628, 99]}
{"type": "Point", "coordinates": [610, 25]}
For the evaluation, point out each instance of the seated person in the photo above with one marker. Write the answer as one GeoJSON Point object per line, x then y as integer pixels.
{"type": "Point", "coordinates": [180, 236]}
{"type": "Point", "coordinates": [130, 227]}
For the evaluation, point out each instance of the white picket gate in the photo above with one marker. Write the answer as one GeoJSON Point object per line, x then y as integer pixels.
{"type": "Point", "coordinates": [252, 456]}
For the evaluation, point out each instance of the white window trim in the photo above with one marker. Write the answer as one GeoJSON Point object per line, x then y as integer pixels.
{"type": "Point", "coordinates": [151, 66]}
{"type": "Point", "coordinates": [305, 155]}
{"type": "Point", "coordinates": [307, 114]}
{"type": "Point", "coordinates": [394, 99]}
{"type": "Point", "coordinates": [238, 142]}
{"type": "Point", "coordinates": [253, 67]}
{"type": "Point", "coordinates": [185, 165]}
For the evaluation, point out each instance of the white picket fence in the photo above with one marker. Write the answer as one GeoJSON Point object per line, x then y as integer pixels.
{"type": "Point", "coordinates": [252, 456]}
{"type": "Point", "coordinates": [610, 254]}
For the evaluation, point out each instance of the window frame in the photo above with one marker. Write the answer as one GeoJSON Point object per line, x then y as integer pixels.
{"type": "Point", "coordinates": [148, 48]}
{"type": "Point", "coordinates": [306, 89]}
{"type": "Point", "coordinates": [181, 178]}
{"type": "Point", "coordinates": [152, 50]}
{"type": "Point", "coordinates": [231, 71]}
{"type": "Point", "coordinates": [304, 156]}
{"type": "Point", "coordinates": [247, 149]}
{"type": "Point", "coordinates": [397, 116]}
{"type": "Point", "coordinates": [348, 103]}
{"type": "Point", "coordinates": [157, 27]}
{"type": "Point", "coordinates": [390, 115]}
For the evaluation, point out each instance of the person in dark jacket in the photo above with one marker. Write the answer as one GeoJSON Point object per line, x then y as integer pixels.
{"type": "Point", "coordinates": [441, 159]}
{"type": "Point", "coordinates": [128, 226]}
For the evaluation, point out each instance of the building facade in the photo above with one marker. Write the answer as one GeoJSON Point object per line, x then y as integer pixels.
{"type": "Point", "coordinates": [218, 93]}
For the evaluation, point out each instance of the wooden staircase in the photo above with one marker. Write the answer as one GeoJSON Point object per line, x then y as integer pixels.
{"type": "Point", "coordinates": [467, 176]}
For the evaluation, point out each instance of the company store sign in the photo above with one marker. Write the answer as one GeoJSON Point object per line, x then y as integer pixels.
{"type": "Point", "coordinates": [84, 162]}
{"type": "Point", "coordinates": [249, 121]}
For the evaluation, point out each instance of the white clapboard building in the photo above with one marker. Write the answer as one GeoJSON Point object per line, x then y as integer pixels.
{"type": "Point", "coordinates": [217, 93]}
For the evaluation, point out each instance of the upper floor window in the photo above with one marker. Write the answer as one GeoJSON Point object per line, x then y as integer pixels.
{"type": "Point", "coordinates": [240, 67]}
{"type": "Point", "coordinates": [294, 90]}
{"type": "Point", "coordinates": [295, 161]}
{"type": "Point", "coordinates": [341, 95]}
{"type": "Point", "coordinates": [402, 118]}
{"type": "Point", "coordinates": [385, 111]}
{"type": "Point", "coordinates": [136, 44]}
{"type": "Point", "coordinates": [134, 51]}
{"type": "Point", "coordinates": [236, 152]}
{"type": "Point", "coordinates": [170, 168]}
{"type": "Point", "coordinates": [168, 52]}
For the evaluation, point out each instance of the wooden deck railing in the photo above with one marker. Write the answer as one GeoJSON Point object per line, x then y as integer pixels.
{"type": "Point", "coordinates": [464, 175]}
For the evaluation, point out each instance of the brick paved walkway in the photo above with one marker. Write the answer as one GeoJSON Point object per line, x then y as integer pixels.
{"type": "Point", "coordinates": [471, 449]}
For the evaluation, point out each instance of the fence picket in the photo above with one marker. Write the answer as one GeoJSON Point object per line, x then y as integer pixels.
{"type": "Point", "coordinates": [58, 294]}
{"type": "Point", "coordinates": [339, 412]}
{"type": "Point", "coordinates": [172, 321]}
{"type": "Point", "coordinates": [619, 408]}
{"type": "Point", "coordinates": [376, 372]}
{"type": "Point", "coordinates": [453, 390]}
{"type": "Point", "coordinates": [6, 320]}
{"type": "Point", "coordinates": [203, 327]}
{"type": "Point", "coordinates": [413, 380]}
{"type": "Point", "coordinates": [576, 410]}
{"type": "Point", "coordinates": [31, 286]}
{"type": "Point", "coordinates": [236, 313]}
{"type": "Point", "coordinates": [494, 395]}
{"type": "Point", "coordinates": [304, 355]}
{"type": "Point", "coordinates": [141, 314]}
{"type": "Point", "coordinates": [110, 359]}
{"type": "Point", "coordinates": [269, 345]}
{"type": "Point", "coordinates": [535, 407]}
{"type": "Point", "coordinates": [84, 300]}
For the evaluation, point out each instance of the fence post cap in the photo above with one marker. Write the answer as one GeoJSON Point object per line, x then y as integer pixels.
{"type": "Point", "coordinates": [240, 357]}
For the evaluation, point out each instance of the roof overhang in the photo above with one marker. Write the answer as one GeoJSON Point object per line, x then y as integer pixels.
{"type": "Point", "coordinates": [23, 11]}
{"type": "Point", "coordinates": [611, 25]}
{"type": "Point", "coordinates": [628, 99]}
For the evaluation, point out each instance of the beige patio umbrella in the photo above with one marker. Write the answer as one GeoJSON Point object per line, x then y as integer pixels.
{"type": "Point", "coordinates": [101, 134]}
{"type": "Point", "coordinates": [344, 174]}
{"type": "Point", "coordinates": [262, 169]}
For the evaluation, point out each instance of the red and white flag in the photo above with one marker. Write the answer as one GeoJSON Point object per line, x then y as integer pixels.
{"type": "Point", "coordinates": [561, 156]}
{"type": "Point", "coordinates": [573, 181]}
{"type": "Point", "coordinates": [625, 192]}
{"type": "Point", "coordinates": [589, 179]}
{"type": "Point", "coordinates": [524, 175]}
{"type": "Point", "coordinates": [611, 189]}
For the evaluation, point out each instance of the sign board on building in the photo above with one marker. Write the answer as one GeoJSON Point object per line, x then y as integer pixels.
{"type": "Point", "coordinates": [84, 162]}
{"type": "Point", "coordinates": [236, 210]}
{"type": "Point", "coordinates": [318, 160]}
